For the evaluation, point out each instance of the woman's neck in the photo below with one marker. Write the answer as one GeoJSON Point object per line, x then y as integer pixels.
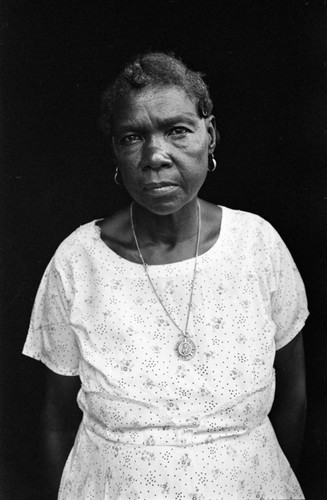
{"type": "Point", "coordinates": [168, 230]}
{"type": "Point", "coordinates": [162, 240]}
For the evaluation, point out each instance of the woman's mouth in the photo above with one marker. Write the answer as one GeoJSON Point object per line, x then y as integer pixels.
{"type": "Point", "coordinates": [159, 187]}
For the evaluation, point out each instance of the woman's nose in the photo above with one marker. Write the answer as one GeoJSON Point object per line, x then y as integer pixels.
{"type": "Point", "coordinates": [155, 156]}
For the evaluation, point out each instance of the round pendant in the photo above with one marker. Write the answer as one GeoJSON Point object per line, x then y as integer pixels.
{"type": "Point", "coordinates": [186, 349]}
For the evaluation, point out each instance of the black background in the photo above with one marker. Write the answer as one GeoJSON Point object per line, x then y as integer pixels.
{"type": "Point", "coordinates": [265, 63]}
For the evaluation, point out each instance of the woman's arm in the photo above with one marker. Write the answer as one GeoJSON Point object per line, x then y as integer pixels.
{"type": "Point", "coordinates": [60, 421]}
{"type": "Point", "coordinates": [288, 413]}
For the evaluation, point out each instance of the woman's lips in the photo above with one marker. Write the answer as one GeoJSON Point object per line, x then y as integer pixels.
{"type": "Point", "coordinates": [159, 187]}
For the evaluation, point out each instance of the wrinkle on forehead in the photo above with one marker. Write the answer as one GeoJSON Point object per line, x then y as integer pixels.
{"type": "Point", "coordinates": [167, 104]}
{"type": "Point", "coordinates": [170, 94]}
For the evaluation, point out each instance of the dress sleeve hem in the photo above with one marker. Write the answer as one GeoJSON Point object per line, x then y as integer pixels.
{"type": "Point", "coordinates": [291, 335]}
{"type": "Point", "coordinates": [56, 369]}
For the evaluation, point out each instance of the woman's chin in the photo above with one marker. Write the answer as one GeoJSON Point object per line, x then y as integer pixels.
{"type": "Point", "coordinates": [164, 205]}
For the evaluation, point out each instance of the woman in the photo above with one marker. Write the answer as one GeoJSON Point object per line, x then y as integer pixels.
{"type": "Point", "coordinates": [171, 318]}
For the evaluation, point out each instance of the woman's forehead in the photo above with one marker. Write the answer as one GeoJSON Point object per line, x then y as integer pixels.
{"type": "Point", "coordinates": [161, 102]}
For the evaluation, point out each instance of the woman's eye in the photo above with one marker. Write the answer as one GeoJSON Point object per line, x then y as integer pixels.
{"type": "Point", "coordinates": [129, 139]}
{"type": "Point", "coordinates": [179, 131]}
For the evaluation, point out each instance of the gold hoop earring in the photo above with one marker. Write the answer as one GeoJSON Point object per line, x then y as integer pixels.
{"type": "Point", "coordinates": [213, 162]}
{"type": "Point", "coordinates": [116, 177]}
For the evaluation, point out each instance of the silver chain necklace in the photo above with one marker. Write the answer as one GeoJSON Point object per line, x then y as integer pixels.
{"type": "Point", "coordinates": [185, 346]}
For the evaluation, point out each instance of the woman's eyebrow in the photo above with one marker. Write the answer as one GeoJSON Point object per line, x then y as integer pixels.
{"type": "Point", "coordinates": [184, 117]}
{"type": "Point", "coordinates": [128, 125]}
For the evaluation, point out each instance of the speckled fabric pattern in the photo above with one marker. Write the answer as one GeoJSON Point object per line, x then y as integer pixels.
{"type": "Point", "coordinates": [155, 425]}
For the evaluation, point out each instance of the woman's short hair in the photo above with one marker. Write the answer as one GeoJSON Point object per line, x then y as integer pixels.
{"type": "Point", "coordinates": [150, 70]}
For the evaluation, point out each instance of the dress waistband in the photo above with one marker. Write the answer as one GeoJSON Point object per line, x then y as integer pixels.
{"type": "Point", "coordinates": [168, 435]}
{"type": "Point", "coordinates": [177, 428]}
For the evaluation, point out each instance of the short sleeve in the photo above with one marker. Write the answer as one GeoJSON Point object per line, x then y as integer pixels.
{"type": "Point", "coordinates": [50, 337]}
{"type": "Point", "coordinates": [289, 301]}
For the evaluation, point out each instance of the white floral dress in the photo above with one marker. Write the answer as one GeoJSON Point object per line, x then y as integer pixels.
{"type": "Point", "coordinates": [156, 426]}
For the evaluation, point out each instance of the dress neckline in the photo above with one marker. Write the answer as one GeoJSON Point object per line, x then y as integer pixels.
{"type": "Point", "coordinates": [217, 243]}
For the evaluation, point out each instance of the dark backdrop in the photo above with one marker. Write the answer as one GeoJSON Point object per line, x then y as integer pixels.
{"type": "Point", "coordinates": [266, 67]}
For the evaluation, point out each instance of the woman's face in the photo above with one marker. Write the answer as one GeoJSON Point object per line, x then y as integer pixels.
{"type": "Point", "coordinates": [161, 147]}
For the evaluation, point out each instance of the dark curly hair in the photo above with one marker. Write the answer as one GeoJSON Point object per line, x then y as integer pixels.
{"type": "Point", "coordinates": [154, 69]}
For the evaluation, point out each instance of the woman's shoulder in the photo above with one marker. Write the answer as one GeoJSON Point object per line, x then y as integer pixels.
{"type": "Point", "coordinates": [78, 241]}
{"type": "Point", "coordinates": [113, 231]}
{"type": "Point", "coordinates": [245, 219]}
{"type": "Point", "coordinates": [249, 226]}
{"type": "Point", "coordinates": [84, 231]}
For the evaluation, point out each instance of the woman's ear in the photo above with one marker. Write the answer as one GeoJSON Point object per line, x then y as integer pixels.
{"type": "Point", "coordinates": [214, 136]}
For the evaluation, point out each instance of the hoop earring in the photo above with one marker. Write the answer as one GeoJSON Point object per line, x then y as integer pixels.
{"type": "Point", "coordinates": [213, 162]}
{"type": "Point", "coordinates": [116, 177]}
